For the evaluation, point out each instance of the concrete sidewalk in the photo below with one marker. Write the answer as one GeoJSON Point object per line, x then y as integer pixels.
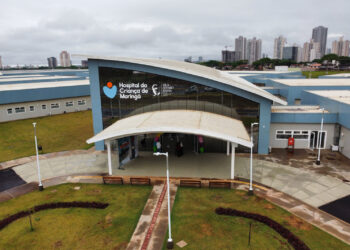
{"type": "Point", "coordinates": [310, 187]}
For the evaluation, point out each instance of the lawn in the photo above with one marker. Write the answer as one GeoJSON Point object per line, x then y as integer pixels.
{"type": "Point", "coordinates": [75, 228]}
{"type": "Point", "coordinates": [195, 222]}
{"type": "Point", "coordinates": [55, 133]}
{"type": "Point", "coordinates": [316, 74]}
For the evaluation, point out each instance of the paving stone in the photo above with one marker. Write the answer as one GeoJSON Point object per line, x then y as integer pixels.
{"type": "Point", "coordinates": [181, 244]}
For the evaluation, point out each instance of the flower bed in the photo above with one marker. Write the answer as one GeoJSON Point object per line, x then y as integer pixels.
{"type": "Point", "coordinates": [80, 204]}
{"type": "Point", "coordinates": [284, 232]}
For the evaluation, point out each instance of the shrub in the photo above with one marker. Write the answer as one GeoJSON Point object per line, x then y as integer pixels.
{"type": "Point", "coordinates": [80, 204]}
{"type": "Point", "coordinates": [284, 232]}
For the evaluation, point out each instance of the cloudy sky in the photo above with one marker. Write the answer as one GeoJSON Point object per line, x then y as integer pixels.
{"type": "Point", "coordinates": [31, 31]}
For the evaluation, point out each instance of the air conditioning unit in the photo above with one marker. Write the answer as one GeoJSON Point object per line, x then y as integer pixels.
{"type": "Point", "coordinates": [334, 148]}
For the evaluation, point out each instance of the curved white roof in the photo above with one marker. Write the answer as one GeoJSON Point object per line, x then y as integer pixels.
{"type": "Point", "coordinates": [177, 121]}
{"type": "Point", "coordinates": [196, 70]}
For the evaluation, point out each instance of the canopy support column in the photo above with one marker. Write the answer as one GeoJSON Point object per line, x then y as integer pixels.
{"type": "Point", "coordinates": [228, 148]}
{"type": "Point", "coordinates": [234, 145]}
{"type": "Point", "coordinates": [108, 143]}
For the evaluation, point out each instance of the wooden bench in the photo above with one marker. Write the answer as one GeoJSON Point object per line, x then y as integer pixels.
{"type": "Point", "coordinates": [140, 181]}
{"type": "Point", "coordinates": [219, 184]}
{"type": "Point", "coordinates": [190, 183]}
{"type": "Point", "coordinates": [112, 180]}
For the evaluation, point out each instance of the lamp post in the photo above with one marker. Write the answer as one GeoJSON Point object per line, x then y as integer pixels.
{"type": "Point", "coordinates": [41, 188]}
{"type": "Point", "coordinates": [170, 244]}
{"type": "Point", "coordinates": [318, 161]}
{"type": "Point", "coordinates": [250, 192]}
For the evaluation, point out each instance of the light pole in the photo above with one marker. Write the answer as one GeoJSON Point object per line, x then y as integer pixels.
{"type": "Point", "coordinates": [318, 161]}
{"type": "Point", "coordinates": [41, 188]}
{"type": "Point", "coordinates": [170, 244]}
{"type": "Point", "coordinates": [250, 192]}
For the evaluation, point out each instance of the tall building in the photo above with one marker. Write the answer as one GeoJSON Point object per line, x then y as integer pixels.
{"type": "Point", "coordinates": [306, 52]}
{"type": "Point", "coordinates": [241, 47]}
{"type": "Point", "coordinates": [52, 62]}
{"type": "Point", "coordinates": [253, 50]}
{"type": "Point", "coordinates": [319, 35]}
{"type": "Point", "coordinates": [229, 56]}
{"type": "Point", "coordinates": [290, 53]}
{"type": "Point", "coordinates": [65, 59]}
{"type": "Point", "coordinates": [0, 63]}
{"type": "Point", "coordinates": [341, 47]}
{"type": "Point", "coordinates": [84, 63]}
{"type": "Point", "coordinates": [278, 47]}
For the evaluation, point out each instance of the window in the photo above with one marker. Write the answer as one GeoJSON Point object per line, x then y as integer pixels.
{"type": "Point", "coordinates": [20, 110]}
{"type": "Point", "coordinates": [282, 134]}
{"type": "Point", "coordinates": [43, 106]}
{"type": "Point", "coordinates": [69, 104]}
{"type": "Point", "coordinates": [31, 108]}
{"type": "Point", "coordinates": [297, 101]}
{"type": "Point", "coordinates": [55, 105]}
{"type": "Point", "coordinates": [296, 134]}
{"type": "Point", "coordinates": [9, 111]}
{"type": "Point", "coordinates": [81, 102]}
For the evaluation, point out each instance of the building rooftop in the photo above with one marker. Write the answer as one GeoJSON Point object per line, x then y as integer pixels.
{"type": "Point", "coordinates": [297, 109]}
{"type": "Point", "coordinates": [314, 82]}
{"type": "Point", "coordinates": [337, 95]}
{"type": "Point", "coordinates": [40, 78]}
{"type": "Point", "coordinates": [195, 70]}
{"type": "Point", "coordinates": [41, 85]}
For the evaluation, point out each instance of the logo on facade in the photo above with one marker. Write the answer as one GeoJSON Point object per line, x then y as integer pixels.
{"type": "Point", "coordinates": [155, 90]}
{"type": "Point", "coordinates": [110, 90]}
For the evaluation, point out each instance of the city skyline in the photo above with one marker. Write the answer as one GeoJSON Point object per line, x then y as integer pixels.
{"type": "Point", "coordinates": [152, 29]}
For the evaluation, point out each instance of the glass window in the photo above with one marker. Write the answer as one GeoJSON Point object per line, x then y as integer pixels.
{"type": "Point", "coordinates": [43, 106]}
{"type": "Point", "coordinates": [9, 111]}
{"type": "Point", "coordinates": [55, 105]}
{"type": "Point", "coordinates": [69, 104]}
{"type": "Point", "coordinates": [31, 108]}
{"type": "Point", "coordinates": [81, 102]}
{"type": "Point", "coordinates": [20, 110]}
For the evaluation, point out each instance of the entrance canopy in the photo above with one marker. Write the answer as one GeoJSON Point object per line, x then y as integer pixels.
{"type": "Point", "coordinates": [178, 121]}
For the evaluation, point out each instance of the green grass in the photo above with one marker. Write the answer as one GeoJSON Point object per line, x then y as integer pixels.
{"type": "Point", "coordinates": [75, 228]}
{"type": "Point", "coordinates": [54, 133]}
{"type": "Point", "coordinates": [316, 74]}
{"type": "Point", "coordinates": [195, 222]}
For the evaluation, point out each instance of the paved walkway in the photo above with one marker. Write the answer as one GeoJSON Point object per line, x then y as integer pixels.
{"type": "Point", "coordinates": [312, 188]}
{"type": "Point", "coordinates": [153, 223]}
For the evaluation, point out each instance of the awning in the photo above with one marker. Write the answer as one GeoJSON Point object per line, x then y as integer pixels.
{"type": "Point", "coordinates": [177, 121]}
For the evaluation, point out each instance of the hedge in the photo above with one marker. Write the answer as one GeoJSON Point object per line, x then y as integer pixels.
{"type": "Point", "coordinates": [284, 232]}
{"type": "Point", "coordinates": [80, 204]}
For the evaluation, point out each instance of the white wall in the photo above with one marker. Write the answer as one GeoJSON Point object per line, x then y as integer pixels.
{"type": "Point", "coordinates": [344, 142]}
{"type": "Point", "coordinates": [39, 111]}
{"type": "Point", "coordinates": [299, 143]}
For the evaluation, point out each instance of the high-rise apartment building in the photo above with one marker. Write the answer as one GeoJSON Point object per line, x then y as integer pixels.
{"type": "Point", "coordinates": [306, 52]}
{"type": "Point", "coordinates": [319, 35]}
{"type": "Point", "coordinates": [341, 47]}
{"type": "Point", "coordinates": [0, 63]}
{"type": "Point", "coordinates": [290, 53]}
{"type": "Point", "coordinates": [52, 62]}
{"type": "Point", "coordinates": [278, 47]}
{"type": "Point", "coordinates": [241, 47]}
{"type": "Point", "coordinates": [253, 50]}
{"type": "Point", "coordinates": [65, 59]}
{"type": "Point", "coordinates": [229, 56]}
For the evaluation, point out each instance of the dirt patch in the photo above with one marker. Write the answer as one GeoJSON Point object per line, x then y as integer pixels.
{"type": "Point", "coordinates": [58, 244]}
{"type": "Point", "coordinates": [121, 246]}
{"type": "Point", "coordinates": [297, 223]}
{"type": "Point", "coordinates": [206, 229]}
{"type": "Point", "coordinates": [216, 197]}
{"type": "Point", "coordinates": [94, 192]}
{"type": "Point", "coordinates": [108, 221]}
{"type": "Point", "coordinates": [269, 206]}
